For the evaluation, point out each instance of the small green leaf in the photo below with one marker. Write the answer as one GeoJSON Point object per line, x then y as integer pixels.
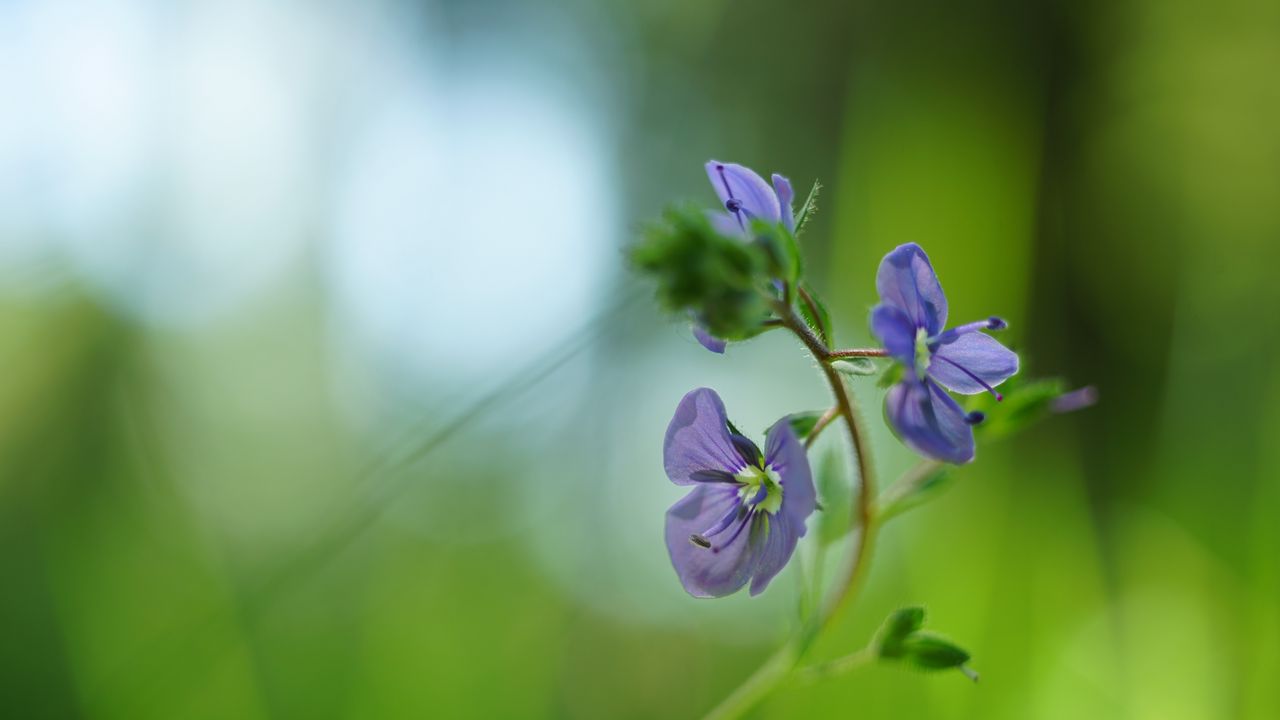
{"type": "Point", "coordinates": [815, 314]}
{"type": "Point", "coordinates": [856, 367]}
{"type": "Point", "coordinates": [927, 651]}
{"type": "Point", "coordinates": [896, 629]}
{"type": "Point", "coordinates": [833, 491]}
{"type": "Point", "coordinates": [808, 208]}
{"type": "Point", "coordinates": [732, 428]}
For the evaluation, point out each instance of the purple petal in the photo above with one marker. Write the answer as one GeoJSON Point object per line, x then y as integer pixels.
{"type": "Point", "coordinates": [735, 182]}
{"type": "Point", "coordinates": [726, 224]}
{"type": "Point", "coordinates": [929, 421]}
{"type": "Point", "coordinates": [718, 570]}
{"type": "Point", "coordinates": [971, 360]}
{"type": "Point", "coordinates": [896, 331]}
{"type": "Point", "coordinates": [709, 341]}
{"type": "Point", "coordinates": [778, 544]}
{"type": "Point", "coordinates": [786, 455]}
{"type": "Point", "coordinates": [782, 188]}
{"type": "Point", "coordinates": [698, 438]}
{"type": "Point", "coordinates": [907, 280]}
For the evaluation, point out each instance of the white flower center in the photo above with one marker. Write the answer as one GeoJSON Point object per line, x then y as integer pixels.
{"type": "Point", "coordinates": [923, 355]}
{"type": "Point", "coordinates": [754, 481]}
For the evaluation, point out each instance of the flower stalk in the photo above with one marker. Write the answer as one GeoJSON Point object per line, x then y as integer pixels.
{"type": "Point", "coordinates": [736, 272]}
{"type": "Point", "coordinates": [781, 664]}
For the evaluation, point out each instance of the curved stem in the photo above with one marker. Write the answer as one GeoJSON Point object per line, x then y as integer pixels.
{"type": "Point", "coordinates": [756, 687]}
{"type": "Point", "coordinates": [863, 518]}
{"type": "Point", "coordinates": [782, 662]}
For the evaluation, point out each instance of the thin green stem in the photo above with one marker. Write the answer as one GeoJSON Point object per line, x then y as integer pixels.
{"type": "Point", "coordinates": [839, 666]}
{"type": "Point", "coordinates": [783, 662]}
{"type": "Point", "coordinates": [896, 499]}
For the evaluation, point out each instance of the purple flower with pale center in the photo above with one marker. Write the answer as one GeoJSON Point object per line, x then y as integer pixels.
{"type": "Point", "coordinates": [745, 196]}
{"type": "Point", "coordinates": [747, 509]}
{"type": "Point", "coordinates": [909, 321]}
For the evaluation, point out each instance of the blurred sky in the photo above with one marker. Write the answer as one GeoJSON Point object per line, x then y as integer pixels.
{"type": "Point", "coordinates": [327, 392]}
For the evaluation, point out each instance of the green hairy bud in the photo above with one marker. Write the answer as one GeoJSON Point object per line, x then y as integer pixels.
{"type": "Point", "coordinates": [699, 271]}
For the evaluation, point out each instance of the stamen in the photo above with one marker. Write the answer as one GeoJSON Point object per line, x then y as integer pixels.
{"type": "Point", "coordinates": [975, 417]}
{"type": "Point", "coordinates": [745, 520]}
{"type": "Point", "coordinates": [966, 371]}
{"type": "Point", "coordinates": [761, 494]}
{"type": "Point", "coordinates": [700, 541]}
{"type": "Point", "coordinates": [712, 476]}
{"type": "Point", "coordinates": [949, 336]}
{"type": "Point", "coordinates": [737, 211]}
{"type": "Point", "coordinates": [725, 521]}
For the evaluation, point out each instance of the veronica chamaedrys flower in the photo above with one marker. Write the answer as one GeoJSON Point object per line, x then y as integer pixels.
{"type": "Point", "coordinates": [909, 321]}
{"type": "Point", "coordinates": [747, 509]}
{"type": "Point", "coordinates": [744, 196]}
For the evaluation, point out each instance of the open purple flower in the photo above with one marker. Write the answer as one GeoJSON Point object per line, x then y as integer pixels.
{"type": "Point", "coordinates": [747, 509]}
{"type": "Point", "coordinates": [745, 196]}
{"type": "Point", "coordinates": [909, 321]}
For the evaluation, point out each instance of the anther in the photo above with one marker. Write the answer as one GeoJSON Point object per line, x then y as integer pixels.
{"type": "Point", "coordinates": [700, 541]}
{"type": "Point", "coordinates": [975, 417]}
{"type": "Point", "coordinates": [733, 204]}
{"type": "Point", "coordinates": [996, 323]}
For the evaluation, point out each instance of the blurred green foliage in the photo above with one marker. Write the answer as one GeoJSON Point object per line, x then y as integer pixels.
{"type": "Point", "coordinates": [1104, 175]}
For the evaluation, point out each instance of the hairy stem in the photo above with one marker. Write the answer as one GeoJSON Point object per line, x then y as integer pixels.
{"type": "Point", "coordinates": [783, 662]}
{"type": "Point", "coordinates": [857, 353]}
{"type": "Point", "coordinates": [820, 425]}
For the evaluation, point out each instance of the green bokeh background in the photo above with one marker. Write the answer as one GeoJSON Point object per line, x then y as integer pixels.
{"type": "Point", "coordinates": [192, 524]}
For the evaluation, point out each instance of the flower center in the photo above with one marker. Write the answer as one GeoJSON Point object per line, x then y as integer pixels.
{"type": "Point", "coordinates": [760, 489]}
{"type": "Point", "coordinates": [923, 353]}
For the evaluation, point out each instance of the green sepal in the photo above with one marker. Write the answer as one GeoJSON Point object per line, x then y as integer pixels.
{"type": "Point", "coordinates": [808, 208]}
{"type": "Point", "coordinates": [784, 259]}
{"type": "Point", "coordinates": [802, 423]}
{"type": "Point", "coordinates": [733, 428]}
{"type": "Point", "coordinates": [816, 317]}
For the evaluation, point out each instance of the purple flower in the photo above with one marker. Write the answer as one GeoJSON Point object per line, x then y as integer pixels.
{"type": "Point", "coordinates": [747, 509]}
{"type": "Point", "coordinates": [1077, 399]}
{"type": "Point", "coordinates": [745, 196]}
{"type": "Point", "coordinates": [909, 321]}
